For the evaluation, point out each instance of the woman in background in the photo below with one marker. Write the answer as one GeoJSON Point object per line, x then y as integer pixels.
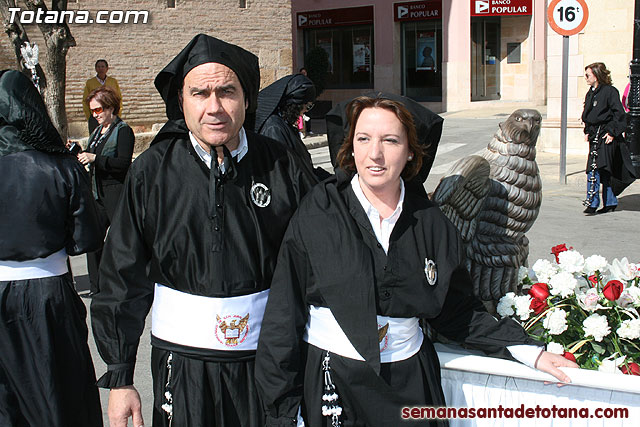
{"type": "Point", "coordinates": [609, 162]}
{"type": "Point", "coordinates": [108, 155]}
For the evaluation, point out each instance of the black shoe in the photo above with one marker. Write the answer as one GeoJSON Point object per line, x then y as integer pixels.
{"type": "Point", "coordinates": [590, 211]}
{"type": "Point", "coordinates": [607, 209]}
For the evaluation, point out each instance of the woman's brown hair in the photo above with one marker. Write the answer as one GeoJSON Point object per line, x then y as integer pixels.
{"type": "Point", "coordinates": [601, 73]}
{"type": "Point", "coordinates": [107, 97]}
{"type": "Point", "coordinates": [354, 109]}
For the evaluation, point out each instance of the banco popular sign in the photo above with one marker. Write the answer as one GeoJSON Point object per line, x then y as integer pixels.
{"type": "Point", "coordinates": [501, 7]}
{"type": "Point", "coordinates": [417, 10]}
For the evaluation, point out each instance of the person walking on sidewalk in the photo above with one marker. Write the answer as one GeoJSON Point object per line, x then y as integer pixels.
{"type": "Point", "coordinates": [609, 161]}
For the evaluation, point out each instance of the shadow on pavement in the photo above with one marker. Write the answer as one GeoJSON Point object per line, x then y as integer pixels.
{"type": "Point", "coordinates": [630, 202]}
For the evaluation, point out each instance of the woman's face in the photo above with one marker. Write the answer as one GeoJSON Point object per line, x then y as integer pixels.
{"type": "Point", "coordinates": [380, 150]}
{"type": "Point", "coordinates": [104, 116]}
{"type": "Point", "coordinates": [590, 77]}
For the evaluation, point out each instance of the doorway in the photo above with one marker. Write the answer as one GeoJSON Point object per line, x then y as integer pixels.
{"type": "Point", "coordinates": [485, 58]}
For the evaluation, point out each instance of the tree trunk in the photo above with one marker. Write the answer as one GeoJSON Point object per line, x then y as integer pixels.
{"type": "Point", "coordinates": [53, 74]}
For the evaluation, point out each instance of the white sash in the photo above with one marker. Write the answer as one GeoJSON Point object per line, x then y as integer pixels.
{"type": "Point", "coordinates": [214, 323]}
{"type": "Point", "coordinates": [51, 266]}
{"type": "Point", "coordinates": [401, 340]}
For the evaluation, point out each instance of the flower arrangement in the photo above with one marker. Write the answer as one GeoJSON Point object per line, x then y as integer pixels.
{"type": "Point", "coordinates": [585, 309]}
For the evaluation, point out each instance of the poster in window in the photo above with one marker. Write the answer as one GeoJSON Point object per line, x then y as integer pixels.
{"type": "Point", "coordinates": [426, 55]}
{"type": "Point", "coordinates": [326, 43]}
{"type": "Point", "coordinates": [361, 54]}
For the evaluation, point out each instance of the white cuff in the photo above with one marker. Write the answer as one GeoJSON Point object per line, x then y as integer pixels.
{"type": "Point", "coordinates": [526, 354]}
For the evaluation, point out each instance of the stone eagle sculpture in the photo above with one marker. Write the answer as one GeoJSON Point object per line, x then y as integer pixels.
{"type": "Point", "coordinates": [494, 199]}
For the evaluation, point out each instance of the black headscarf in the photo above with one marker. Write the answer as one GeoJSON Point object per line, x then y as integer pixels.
{"type": "Point", "coordinates": [203, 49]}
{"type": "Point", "coordinates": [428, 128]}
{"type": "Point", "coordinates": [292, 89]}
{"type": "Point", "coordinates": [24, 121]}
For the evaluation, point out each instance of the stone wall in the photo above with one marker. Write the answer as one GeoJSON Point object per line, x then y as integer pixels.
{"type": "Point", "coordinates": [137, 52]}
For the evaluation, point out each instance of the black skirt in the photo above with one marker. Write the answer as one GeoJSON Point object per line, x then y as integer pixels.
{"type": "Point", "coordinates": [46, 373]}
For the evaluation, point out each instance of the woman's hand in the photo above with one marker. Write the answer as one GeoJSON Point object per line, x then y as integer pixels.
{"type": "Point", "coordinates": [86, 158]}
{"type": "Point", "coordinates": [607, 139]}
{"type": "Point", "coordinates": [550, 362]}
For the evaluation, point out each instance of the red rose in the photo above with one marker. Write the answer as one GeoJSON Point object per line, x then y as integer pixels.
{"type": "Point", "coordinates": [569, 356]}
{"type": "Point", "coordinates": [612, 290]}
{"type": "Point", "coordinates": [538, 305]}
{"type": "Point", "coordinates": [633, 369]}
{"type": "Point", "coordinates": [539, 291]}
{"type": "Point", "coordinates": [594, 280]}
{"type": "Point", "coordinates": [556, 250]}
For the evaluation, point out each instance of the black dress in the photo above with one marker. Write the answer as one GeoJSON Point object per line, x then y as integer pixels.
{"type": "Point", "coordinates": [179, 226]}
{"type": "Point", "coordinates": [603, 111]}
{"type": "Point", "coordinates": [46, 373]}
{"type": "Point", "coordinates": [331, 258]}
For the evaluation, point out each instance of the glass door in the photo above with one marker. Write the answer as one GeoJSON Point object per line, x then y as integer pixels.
{"type": "Point", "coordinates": [485, 58]}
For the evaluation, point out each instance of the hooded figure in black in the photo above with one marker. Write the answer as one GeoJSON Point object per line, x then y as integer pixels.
{"type": "Point", "coordinates": [47, 213]}
{"type": "Point", "coordinates": [279, 106]}
{"type": "Point", "coordinates": [196, 235]}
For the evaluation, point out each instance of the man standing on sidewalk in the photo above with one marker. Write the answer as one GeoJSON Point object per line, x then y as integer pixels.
{"type": "Point", "coordinates": [197, 233]}
{"type": "Point", "coordinates": [100, 79]}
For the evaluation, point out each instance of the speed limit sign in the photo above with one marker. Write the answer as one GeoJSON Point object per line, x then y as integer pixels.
{"type": "Point", "coordinates": [567, 17]}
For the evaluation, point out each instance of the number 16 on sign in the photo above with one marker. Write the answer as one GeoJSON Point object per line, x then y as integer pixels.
{"type": "Point", "coordinates": [566, 17]}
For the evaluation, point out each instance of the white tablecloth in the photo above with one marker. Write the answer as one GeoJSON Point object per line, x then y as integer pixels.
{"type": "Point", "coordinates": [470, 380]}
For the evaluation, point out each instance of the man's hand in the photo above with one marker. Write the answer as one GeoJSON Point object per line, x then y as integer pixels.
{"type": "Point", "coordinates": [608, 138]}
{"type": "Point", "coordinates": [550, 362]}
{"type": "Point", "coordinates": [124, 402]}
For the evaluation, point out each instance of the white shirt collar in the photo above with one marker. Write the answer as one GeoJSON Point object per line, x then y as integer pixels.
{"type": "Point", "coordinates": [238, 153]}
{"type": "Point", "coordinates": [382, 229]}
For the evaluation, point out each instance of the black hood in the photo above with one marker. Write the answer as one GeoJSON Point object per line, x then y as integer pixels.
{"type": "Point", "coordinates": [203, 49]}
{"type": "Point", "coordinates": [24, 121]}
{"type": "Point", "coordinates": [292, 89]}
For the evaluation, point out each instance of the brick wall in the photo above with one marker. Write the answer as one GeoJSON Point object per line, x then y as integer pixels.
{"type": "Point", "coordinates": [137, 52]}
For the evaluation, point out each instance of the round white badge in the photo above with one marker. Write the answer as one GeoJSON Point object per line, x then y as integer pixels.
{"type": "Point", "coordinates": [260, 195]}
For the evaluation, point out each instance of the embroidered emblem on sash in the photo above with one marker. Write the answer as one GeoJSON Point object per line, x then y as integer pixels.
{"type": "Point", "coordinates": [430, 271]}
{"type": "Point", "coordinates": [260, 194]}
{"type": "Point", "coordinates": [232, 330]}
{"type": "Point", "coordinates": [383, 338]}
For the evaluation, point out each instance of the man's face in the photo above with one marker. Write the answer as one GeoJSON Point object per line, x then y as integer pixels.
{"type": "Point", "coordinates": [101, 69]}
{"type": "Point", "coordinates": [213, 105]}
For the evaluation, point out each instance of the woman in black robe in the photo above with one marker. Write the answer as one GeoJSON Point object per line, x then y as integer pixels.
{"type": "Point", "coordinates": [361, 264]}
{"type": "Point", "coordinates": [609, 163]}
{"type": "Point", "coordinates": [279, 106]}
{"type": "Point", "coordinates": [47, 213]}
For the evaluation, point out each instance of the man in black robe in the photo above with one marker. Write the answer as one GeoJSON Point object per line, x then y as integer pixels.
{"type": "Point", "coordinates": [196, 234]}
{"type": "Point", "coordinates": [47, 212]}
{"type": "Point", "coordinates": [279, 106]}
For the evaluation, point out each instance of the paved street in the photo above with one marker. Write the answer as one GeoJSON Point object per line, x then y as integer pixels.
{"type": "Point", "coordinates": [561, 220]}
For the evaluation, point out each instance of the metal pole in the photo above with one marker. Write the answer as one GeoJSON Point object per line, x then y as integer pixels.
{"type": "Point", "coordinates": [633, 116]}
{"type": "Point", "coordinates": [563, 110]}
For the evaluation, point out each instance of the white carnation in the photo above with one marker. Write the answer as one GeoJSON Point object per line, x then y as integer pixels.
{"type": "Point", "coordinates": [596, 325]}
{"type": "Point", "coordinates": [554, 347]}
{"type": "Point", "coordinates": [523, 304]}
{"type": "Point", "coordinates": [594, 263]}
{"type": "Point", "coordinates": [571, 261]}
{"type": "Point", "coordinates": [622, 269]}
{"type": "Point", "coordinates": [589, 300]}
{"type": "Point", "coordinates": [563, 284]}
{"type": "Point", "coordinates": [544, 270]}
{"type": "Point", "coordinates": [626, 299]}
{"type": "Point", "coordinates": [505, 305]}
{"type": "Point", "coordinates": [555, 321]}
{"type": "Point", "coordinates": [629, 329]}
{"type": "Point", "coordinates": [522, 273]}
